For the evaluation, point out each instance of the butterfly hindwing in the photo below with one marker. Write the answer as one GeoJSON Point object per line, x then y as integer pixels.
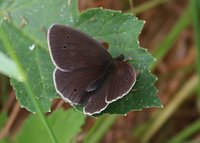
{"type": "Point", "coordinates": [123, 80]}
{"type": "Point", "coordinates": [97, 101]}
{"type": "Point", "coordinates": [72, 85]}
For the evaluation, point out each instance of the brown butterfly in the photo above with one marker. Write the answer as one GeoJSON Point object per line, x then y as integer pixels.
{"type": "Point", "coordinates": [85, 72]}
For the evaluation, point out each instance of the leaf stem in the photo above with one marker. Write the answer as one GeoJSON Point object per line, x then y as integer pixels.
{"type": "Point", "coordinates": [25, 82]}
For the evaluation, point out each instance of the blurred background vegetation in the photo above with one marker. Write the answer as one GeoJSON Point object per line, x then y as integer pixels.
{"type": "Point", "coordinates": [172, 35]}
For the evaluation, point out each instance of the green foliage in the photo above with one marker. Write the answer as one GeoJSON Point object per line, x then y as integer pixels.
{"type": "Point", "coordinates": [30, 47]}
{"type": "Point", "coordinates": [65, 124]}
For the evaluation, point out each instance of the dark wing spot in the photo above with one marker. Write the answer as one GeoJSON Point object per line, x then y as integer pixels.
{"type": "Point", "coordinates": [75, 89]}
{"type": "Point", "coordinates": [65, 46]}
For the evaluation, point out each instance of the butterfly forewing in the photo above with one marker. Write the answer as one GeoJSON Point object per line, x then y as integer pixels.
{"type": "Point", "coordinates": [71, 49]}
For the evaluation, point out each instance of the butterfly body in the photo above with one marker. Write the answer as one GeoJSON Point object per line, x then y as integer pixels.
{"type": "Point", "coordinates": [85, 72]}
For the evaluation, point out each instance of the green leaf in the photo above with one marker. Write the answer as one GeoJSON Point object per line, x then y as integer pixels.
{"type": "Point", "coordinates": [65, 124]}
{"type": "Point", "coordinates": [9, 68]}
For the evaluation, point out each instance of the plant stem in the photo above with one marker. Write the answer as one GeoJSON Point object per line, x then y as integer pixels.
{"type": "Point", "coordinates": [131, 4]}
{"type": "Point", "coordinates": [25, 82]}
